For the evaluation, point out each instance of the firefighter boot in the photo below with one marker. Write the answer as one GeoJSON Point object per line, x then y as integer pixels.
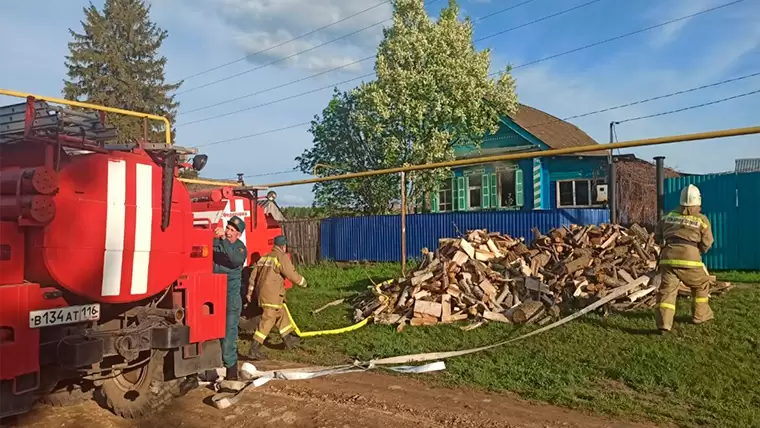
{"type": "Point", "coordinates": [232, 373]}
{"type": "Point", "coordinates": [256, 353]}
{"type": "Point", "coordinates": [291, 341]}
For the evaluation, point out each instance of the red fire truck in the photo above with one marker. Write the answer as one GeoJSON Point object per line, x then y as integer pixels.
{"type": "Point", "coordinates": [106, 280]}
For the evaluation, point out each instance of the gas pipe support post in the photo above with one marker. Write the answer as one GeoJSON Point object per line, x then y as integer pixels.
{"type": "Point", "coordinates": [660, 176]}
{"type": "Point", "coordinates": [403, 223]}
{"type": "Point", "coordinates": [613, 178]}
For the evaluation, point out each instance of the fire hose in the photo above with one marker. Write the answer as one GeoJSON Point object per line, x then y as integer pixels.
{"type": "Point", "coordinates": [224, 400]}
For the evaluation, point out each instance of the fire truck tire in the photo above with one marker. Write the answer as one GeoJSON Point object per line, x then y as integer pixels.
{"type": "Point", "coordinates": [68, 395]}
{"type": "Point", "coordinates": [141, 392]}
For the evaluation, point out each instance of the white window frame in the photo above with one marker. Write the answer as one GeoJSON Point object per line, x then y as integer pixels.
{"type": "Point", "coordinates": [589, 182]}
{"type": "Point", "coordinates": [447, 189]}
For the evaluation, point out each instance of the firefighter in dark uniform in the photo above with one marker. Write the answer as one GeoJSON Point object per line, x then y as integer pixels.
{"type": "Point", "coordinates": [686, 234]}
{"type": "Point", "coordinates": [229, 256]}
{"type": "Point", "coordinates": [268, 282]}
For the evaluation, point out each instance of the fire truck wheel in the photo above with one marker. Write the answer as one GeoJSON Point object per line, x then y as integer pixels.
{"type": "Point", "coordinates": [141, 391]}
{"type": "Point", "coordinates": [68, 394]}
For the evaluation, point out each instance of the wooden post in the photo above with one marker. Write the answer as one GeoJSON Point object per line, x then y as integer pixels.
{"type": "Point", "coordinates": [403, 223]}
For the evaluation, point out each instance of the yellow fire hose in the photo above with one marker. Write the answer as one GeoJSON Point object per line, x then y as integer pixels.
{"type": "Point", "coordinates": [300, 333]}
{"type": "Point", "coordinates": [342, 330]}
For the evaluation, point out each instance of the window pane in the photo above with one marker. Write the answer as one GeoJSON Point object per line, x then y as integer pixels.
{"type": "Point", "coordinates": [475, 190]}
{"type": "Point", "coordinates": [582, 196]}
{"type": "Point", "coordinates": [566, 194]}
{"type": "Point", "coordinates": [507, 186]}
{"type": "Point", "coordinates": [444, 200]}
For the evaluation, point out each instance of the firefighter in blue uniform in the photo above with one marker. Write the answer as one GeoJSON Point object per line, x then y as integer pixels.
{"type": "Point", "coordinates": [230, 254]}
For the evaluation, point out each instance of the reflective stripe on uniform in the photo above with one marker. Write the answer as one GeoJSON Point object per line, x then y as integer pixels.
{"type": "Point", "coordinates": [682, 263]}
{"type": "Point", "coordinates": [269, 305]}
{"type": "Point", "coordinates": [667, 306]}
{"type": "Point", "coordinates": [286, 329]}
{"type": "Point", "coordinates": [268, 261]}
{"type": "Point", "coordinates": [260, 335]}
{"type": "Point", "coordinates": [675, 217]}
{"type": "Point", "coordinates": [701, 299]}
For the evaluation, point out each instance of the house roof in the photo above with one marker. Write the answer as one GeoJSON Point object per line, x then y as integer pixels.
{"type": "Point", "coordinates": [747, 165]}
{"type": "Point", "coordinates": [553, 131]}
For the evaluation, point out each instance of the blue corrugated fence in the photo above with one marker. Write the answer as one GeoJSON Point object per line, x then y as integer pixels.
{"type": "Point", "coordinates": [378, 238]}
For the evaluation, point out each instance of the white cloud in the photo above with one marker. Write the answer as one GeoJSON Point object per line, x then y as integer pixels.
{"type": "Point", "coordinates": [673, 9]}
{"type": "Point", "coordinates": [257, 27]}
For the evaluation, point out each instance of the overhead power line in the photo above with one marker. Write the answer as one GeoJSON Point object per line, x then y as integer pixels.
{"type": "Point", "coordinates": [277, 61]}
{"type": "Point", "coordinates": [316, 30]}
{"type": "Point", "coordinates": [490, 15]}
{"type": "Point", "coordinates": [722, 100]}
{"type": "Point", "coordinates": [355, 78]}
{"type": "Point", "coordinates": [588, 46]}
{"type": "Point", "coordinates": [659, 97]}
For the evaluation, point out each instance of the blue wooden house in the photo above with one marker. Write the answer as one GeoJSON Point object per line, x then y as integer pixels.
{"type": "Point", "coordinates": [565, 181]}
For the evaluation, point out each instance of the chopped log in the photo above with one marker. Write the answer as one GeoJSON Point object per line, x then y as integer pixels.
{"type": "Point", "coordinates": [467, 248]}
{"type": "Point", "coordinates": [495, 316]}
{"type": "Point", "coordinates": [526, 311]}
{"type": "Point", "coordinates": [427, 308]}
{"type": "Point", "coordinates": [445, 308]}
{"type": "Point", "coordinates": [460, 258]}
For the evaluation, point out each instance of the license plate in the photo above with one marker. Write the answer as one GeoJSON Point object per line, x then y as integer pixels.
{"type": "Point", "coordinates": [67, 315]}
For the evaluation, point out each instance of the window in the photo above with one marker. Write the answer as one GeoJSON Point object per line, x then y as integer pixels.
{"type": "Point", "coordinates": [445, 198]}
{"type": "Point", "coordinates": [577, 193]}
{"type": "Point", "coordinates": [507, 197]}
{"type": "Point", "coordinates": [475, 184]}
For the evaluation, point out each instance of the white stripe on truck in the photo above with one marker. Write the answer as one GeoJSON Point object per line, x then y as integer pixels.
{"type": "Point", "coordinates": [115, 213]}
{"type": "Point", "coordinates": [143, 227]}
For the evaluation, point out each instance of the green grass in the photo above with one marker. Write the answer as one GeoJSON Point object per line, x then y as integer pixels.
{"type": "Point", "coordinates": [699, 376]}
{"type": "Point", "coordinates": [739, 277]}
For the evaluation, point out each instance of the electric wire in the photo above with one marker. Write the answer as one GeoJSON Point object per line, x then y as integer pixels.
{"type": "Point", "coordinates": [243, 58]}
{"type": "Point", "coordinates": [745, 94]}
{"type": "Point", "coordinates": [540, 60]}
{"type": "Point", "coordinates": [330, 70]}
{"type": "Point", "coordinates": [301, 94]}
{"type": "Point", "coordinates": [279, 60]}
{"type": "Point", "coordinates": [692, 107]}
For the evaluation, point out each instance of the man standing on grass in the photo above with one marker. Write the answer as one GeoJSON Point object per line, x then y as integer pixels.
{"type": "Point", "coordinates": [685, 234]}
{"type": "Point", "coordinates": [229, 255]}
{"type": "Point", "coordinates": [268, 280]}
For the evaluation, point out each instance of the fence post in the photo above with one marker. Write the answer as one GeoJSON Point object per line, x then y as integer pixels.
{"type": "Point", "coordinates": [403, 223]}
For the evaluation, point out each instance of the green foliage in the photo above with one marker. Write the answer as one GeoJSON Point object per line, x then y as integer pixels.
{"type": "Point", "coordinates": [700, 375]}
{"type": "Point", "coordinates": [115, 62]}
{"type": "Point", "coordinates": [433, 93]}
{"type": "Point", "coordinates": [341, 144]}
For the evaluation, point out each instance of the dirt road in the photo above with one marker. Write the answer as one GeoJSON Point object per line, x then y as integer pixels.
{"type": "Point", "coordinates": [370, 400]}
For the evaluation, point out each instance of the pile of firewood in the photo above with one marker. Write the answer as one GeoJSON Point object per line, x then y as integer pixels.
{"type": "Point", "coordinates": [492, 277]}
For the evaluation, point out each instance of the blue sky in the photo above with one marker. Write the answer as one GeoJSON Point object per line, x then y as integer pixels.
{"type": "Point", "coordinates": [206, 33]}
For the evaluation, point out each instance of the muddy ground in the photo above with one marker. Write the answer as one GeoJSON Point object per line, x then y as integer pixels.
{"type": "Point", "coordinates": [370, 400]}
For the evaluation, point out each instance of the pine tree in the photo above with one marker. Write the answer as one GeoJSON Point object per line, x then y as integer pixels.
{"type": "Point", "coordinates": [115, 62]}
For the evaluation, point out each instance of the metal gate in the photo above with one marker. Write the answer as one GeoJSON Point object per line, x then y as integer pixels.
{"type": "Point", "coordinates": [732, 203]}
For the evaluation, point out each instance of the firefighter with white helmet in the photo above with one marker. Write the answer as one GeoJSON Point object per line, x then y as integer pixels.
{"type": "Point", "coordinates": [685, 234]}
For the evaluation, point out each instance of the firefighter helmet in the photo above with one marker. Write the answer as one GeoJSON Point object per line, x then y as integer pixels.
{"type": "Point", "coordinates": [690, 196]}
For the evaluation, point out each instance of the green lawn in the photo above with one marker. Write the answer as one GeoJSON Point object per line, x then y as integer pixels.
{"type": "Point", "coordinates": [699, 376]}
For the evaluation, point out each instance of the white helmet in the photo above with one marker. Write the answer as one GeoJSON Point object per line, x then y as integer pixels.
{"type": "Point", "coordinates": [690, 196]}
